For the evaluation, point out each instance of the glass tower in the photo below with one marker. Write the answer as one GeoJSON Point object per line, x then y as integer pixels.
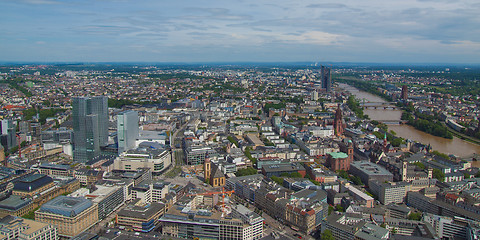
{"type": "Point", "coordinates": [90, 127]}
{"type": "Point", "coordinates": [127, 130]}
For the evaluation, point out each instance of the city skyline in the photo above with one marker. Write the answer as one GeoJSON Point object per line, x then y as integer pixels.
{"type": "Point", "coordinates": [421, 31]}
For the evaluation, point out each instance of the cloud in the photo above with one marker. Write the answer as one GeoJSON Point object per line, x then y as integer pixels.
{"type": "Point", "coordinates": [312, 37]}
{"type": "Point", "coordinates": [40, 2]}
{"type": "Point", "coordinates": [327, 5]}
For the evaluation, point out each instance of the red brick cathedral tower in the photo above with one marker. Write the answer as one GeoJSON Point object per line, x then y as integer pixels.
{"type": "Point", "coordinates": [338, 124]}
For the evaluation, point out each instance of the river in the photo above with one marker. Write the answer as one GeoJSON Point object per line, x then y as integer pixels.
{"type": "Point", "coordinates": [453, 146]}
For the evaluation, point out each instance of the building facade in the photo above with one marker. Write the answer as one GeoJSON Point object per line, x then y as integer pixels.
{"type": "Point", "coordinates": [127, 130]}
{"type": "Point", "coordinates": [71, 215]}
{"type": "Point", "coordinates": [90, 126]}
{"type": "Point", "coordinates": [12, 227]}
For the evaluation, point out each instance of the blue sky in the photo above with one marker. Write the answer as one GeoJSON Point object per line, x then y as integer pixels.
{"type": "Point", "coordinates": [417, 31]}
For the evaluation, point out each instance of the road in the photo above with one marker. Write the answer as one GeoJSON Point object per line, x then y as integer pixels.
{"type": "Point", "coordinates": [177, 153]}
{"type": "Point", "coordinates": [102, 224]}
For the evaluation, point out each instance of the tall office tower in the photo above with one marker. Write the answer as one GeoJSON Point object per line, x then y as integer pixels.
{"type": "Point", "coordinates": [90, 127]}
{"type": "Point", "coordinates": [326, 79]}
{"type": "Point", "coordinates": [127, 130]}
{"type": "Point", "coordinates": [8, 134]}
{"type": "Point", "coordinates": [404, 92]}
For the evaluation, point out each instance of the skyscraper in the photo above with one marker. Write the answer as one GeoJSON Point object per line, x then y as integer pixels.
{"type": "Point", "coordinates": [90, 127]}
{"type": "Point", "coordinates": [127, 130]}
{"type": "Point", "coordinates": [8, 134]}
{"type": "Point", "coordinates": [404, 92]}
{"type": "Point", "coordinates": [326, 79]}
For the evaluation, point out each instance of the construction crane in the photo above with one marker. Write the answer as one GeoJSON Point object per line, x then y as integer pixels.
{"type": "Point", "coordinates": [223, 192]}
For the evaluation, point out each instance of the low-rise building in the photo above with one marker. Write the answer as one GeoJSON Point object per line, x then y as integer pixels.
{"type": "Point", "coordinates": [140, 216]}
{"type": "Point", "coordinates": [278, 169]}
{"type": "Point", "coordinates": [88, 176]}
{"type": "Point", "coordinates": [31, 185]}
{"type": "Point", "coordinates": [202, 222]}
{"type": "Point", "coordinates": [72, 215]}
{"type": "Point", "coordinates": [55, 169]}
{"type": "Point", "coordinates": [389, 192]}
{"type": "Point", "coordinates": [368, 171]}
{"type": "Point", "coordinates": [15, 205]}
{"type": "Point", "coordinates": [12, 227]}
{"type": "Point", "coordinates": [156, 159]}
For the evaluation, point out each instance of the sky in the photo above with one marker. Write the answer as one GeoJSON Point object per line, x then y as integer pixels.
{"type": "Point", "coordinates": [377, 31]}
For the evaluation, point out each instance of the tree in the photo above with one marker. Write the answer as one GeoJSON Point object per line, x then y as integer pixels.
{"type": "Point", "coordinates": [278, 180]}
{"type": "Point", "coordinates": [339, 208]}
{"type": "Point", "coordinates": [246, 171]}
{"type": "Point", "coordinates": [327, 235]}
{"type": "Point", "coordinates": [415, 216]}
{"type": "Point", "coordinates": [438, 174]}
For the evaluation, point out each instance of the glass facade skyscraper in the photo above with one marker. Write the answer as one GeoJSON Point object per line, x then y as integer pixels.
{"type": "Point", "coordinates": [326, 79]}
{"type": "Point", "coordinates": [90, 127]}
{"type": "Point", "coordinates": [127, 130]}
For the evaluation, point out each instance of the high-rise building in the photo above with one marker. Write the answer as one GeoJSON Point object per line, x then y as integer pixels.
{"type": "Point", "coordinates": [326, 79]}
{"type": "Point", "coordinates": [90, 126]}
{"type": "Point", "coordinates": [127, 130]}
{"type": "Point", "coordinates": [404, 92]}
{"type": "Point", "coordinates": [8, 134]}
{"type": "Point", "coordinates": [2, 156]}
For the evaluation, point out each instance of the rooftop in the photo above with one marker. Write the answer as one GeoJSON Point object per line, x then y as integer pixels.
{"type": "Point", "coordinates": [338, 155]}
{"type": "Point", "coordinates": [66, 206]}
{"type": "Point", "coordinates": [369, 168]}
{"type": "Point", "coordinates": [32, 182]}
{"type": "Point", "coordinates": [141, 211]}
{"type": "Point", "coordinates": [14, 202]}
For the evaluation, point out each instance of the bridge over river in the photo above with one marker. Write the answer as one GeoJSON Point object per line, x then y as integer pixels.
{"type": "Point", "coordinates": [378, 105]}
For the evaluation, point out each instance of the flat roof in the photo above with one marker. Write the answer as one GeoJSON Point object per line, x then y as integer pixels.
{"type": "Point", "coordinates": [66, 206]}
{"type": "Point", "coordinates": [370, 168]}
{"type": "Point", "coordinates": [141, 212]}
{"type": "Point", "coordinates": [14, 202]}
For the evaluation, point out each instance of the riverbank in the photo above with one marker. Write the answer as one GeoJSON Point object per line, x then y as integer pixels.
{"type": "Point", "coordinates": [455, 146]}
{"type": "Point", "coordinates": [462, 136]}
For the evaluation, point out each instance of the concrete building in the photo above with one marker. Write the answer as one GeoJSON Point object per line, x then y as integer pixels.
{"type": "Point", "coordinates": [127, 130]}
{"type": "Point", "coordinates": [140, 216]}
{"type": "Point", "coordinates": [88, 176]}
{"type": "Point", "coordinates": [70, 214]}
{"type": "Point", "coordinates": [278, 169]}
{"type": "Point", "coordinates": [156, 159]}
{"type": "Point", "coordinates": [199, 220]}
{"type": "Point", "coordinates": [90, 126]}
{"type": "Point", "coordinates": [107, 199]}
{"type": "Point", "coordinates": [55, 169]}
{"type": "Point", "coordinates": [389, 192]}
{"type": "Point", "coordinates": [12, 227]}
{"type": "Point", "coordinates": [195, 153]}
{"type": "Point", "coordinates": [359, 196]}
{"type": "Point", "coordinates": [15, 205]}
{"type": "Point", "coordinates": [445, 227]}
{"type": "Point", "coordinates": [368, 171]}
